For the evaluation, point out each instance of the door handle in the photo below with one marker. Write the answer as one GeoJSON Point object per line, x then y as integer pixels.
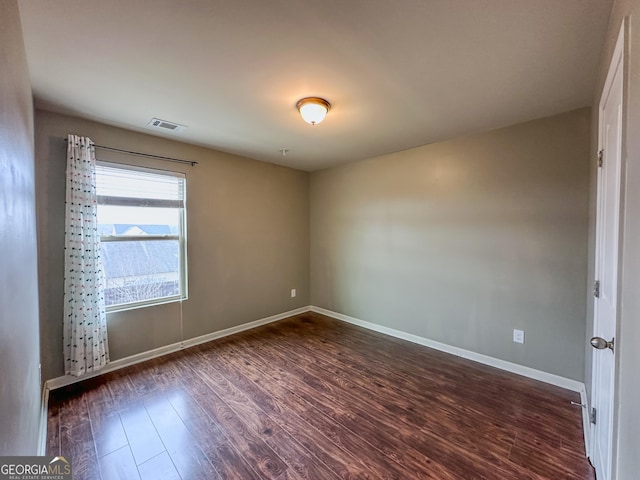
{"type": "Point", "coordinates": [600, 343]}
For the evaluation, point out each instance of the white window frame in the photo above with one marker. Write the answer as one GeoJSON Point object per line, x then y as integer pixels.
{"type": "Point", "coordinates": [181, 236]}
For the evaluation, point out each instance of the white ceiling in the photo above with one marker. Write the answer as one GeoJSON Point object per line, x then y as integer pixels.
{"type": "Point", "coordinates": [398, 73]}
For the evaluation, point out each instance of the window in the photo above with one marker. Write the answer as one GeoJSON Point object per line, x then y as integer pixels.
{"type": "Point", "coordinates": [141, 221]}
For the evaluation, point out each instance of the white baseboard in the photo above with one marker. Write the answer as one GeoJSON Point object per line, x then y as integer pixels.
{"type": "Point", "coordinates": [529, 372]}
{"type": "Point", "coordinates": [59, 382]}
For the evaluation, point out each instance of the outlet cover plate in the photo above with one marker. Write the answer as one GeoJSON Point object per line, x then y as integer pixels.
{"type": "Point", "coordinates": [518, 336]}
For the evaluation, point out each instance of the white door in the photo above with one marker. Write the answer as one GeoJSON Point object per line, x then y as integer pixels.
{"type": "Point", "coordinates": [606, 264]}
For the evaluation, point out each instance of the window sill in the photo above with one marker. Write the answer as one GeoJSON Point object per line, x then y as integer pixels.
{"type": "Point", "coordinates": [148, 303]}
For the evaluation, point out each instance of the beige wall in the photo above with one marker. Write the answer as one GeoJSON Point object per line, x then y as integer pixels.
{"type": "Point", "coordinates": [626, 435]}
{"type": "Point", "coordinates": [248, 239]}
{"type": "Point", "coordinates": [19, 336]}
{"type": "Point", "coordinates": [463, 241]}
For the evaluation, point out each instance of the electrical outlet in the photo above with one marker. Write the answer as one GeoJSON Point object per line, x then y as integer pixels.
{"type": "Point", "coordinates": [293, 292]}
{"type": "Point", "coordinates": [518, 336]}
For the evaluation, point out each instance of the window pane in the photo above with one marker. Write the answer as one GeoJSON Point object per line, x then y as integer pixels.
{"type": "Point", "coordinates": [143, 270]}
{"type": "Point", "coordinates": [116, 220]}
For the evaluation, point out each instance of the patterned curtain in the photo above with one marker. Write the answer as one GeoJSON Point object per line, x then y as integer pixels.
{"type": "Point", "coordinates": [85, 321]}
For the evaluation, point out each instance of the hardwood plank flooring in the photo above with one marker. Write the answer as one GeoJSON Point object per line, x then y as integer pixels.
{"type": "Point", "coordinates": [313, 398]}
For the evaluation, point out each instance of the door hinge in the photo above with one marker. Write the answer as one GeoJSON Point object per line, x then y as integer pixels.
{"type": "Point", "coordinates": [594, 416]}
{"type": "Point", "coordinates": [596, 289]}
{"type": "Point", "coordinates": [600, 157]}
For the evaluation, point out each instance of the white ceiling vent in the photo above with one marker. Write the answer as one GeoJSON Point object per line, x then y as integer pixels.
{"type": "Point", "coordinates": [166, 126]}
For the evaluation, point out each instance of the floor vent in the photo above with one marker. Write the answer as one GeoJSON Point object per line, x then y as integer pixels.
{"type": "Point", "coordinates": [165, 125]}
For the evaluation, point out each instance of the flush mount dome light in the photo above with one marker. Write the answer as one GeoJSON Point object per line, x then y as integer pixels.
{"type": "Point", "coordinates": [313, 109]}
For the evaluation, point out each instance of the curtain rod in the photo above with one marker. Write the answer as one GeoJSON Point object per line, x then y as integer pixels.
{"type": "Point", "coordinates": [158, 157]}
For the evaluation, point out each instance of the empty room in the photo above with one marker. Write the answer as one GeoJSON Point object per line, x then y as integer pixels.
{"type": "Point", "coordinates": [323, 240]}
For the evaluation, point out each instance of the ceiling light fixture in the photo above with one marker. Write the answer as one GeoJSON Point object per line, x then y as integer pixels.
{"type": "Point", "coordinates": [313, 109]}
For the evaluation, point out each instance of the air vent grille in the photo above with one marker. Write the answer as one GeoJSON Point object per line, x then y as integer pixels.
{"type": "Point", "coordinates": [166, 125]}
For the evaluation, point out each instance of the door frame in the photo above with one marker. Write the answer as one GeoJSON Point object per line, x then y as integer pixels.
{"type": "Point", "coordinates": [616, 67]}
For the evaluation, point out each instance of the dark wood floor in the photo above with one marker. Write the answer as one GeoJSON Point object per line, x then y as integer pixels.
{"type": "Point", "coordinates": [313, 398]}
